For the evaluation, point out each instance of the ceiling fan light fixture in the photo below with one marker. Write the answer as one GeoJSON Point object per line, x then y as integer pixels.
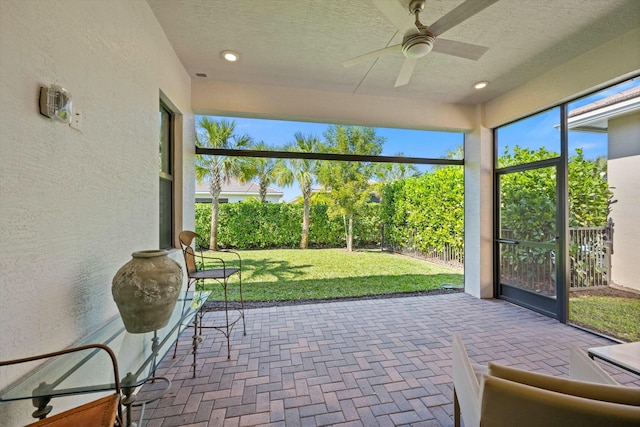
{"type": "Point", "coordinates": [417, 45]}
{"type": "Point", "coordinates": [420, 39]}
{"type": "Point", "coordinates": [230, 55]}
{"type": "Point", "coordinates": [481, 85]}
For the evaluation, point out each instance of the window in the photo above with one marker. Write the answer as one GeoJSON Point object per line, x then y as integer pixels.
{"type": "Point", "coordinates": [166, 177]}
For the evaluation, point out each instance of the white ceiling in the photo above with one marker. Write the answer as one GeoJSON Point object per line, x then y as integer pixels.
{"type": "Point", "coordinates": [302, 43]}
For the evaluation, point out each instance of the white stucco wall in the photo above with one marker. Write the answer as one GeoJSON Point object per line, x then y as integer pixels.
{"type": "Point", "coordinates": [623, 170]}
{"type": "Point", "coordinates": [92, 194]}
{"type": "Point", "coordinates": [478, 211]}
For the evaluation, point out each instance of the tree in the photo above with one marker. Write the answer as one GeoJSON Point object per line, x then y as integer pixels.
{"type": "Point", "coordinates": [304, 172]}
{"type": "Point", "coordinates": [217, 134]}
{"type": "Point", "coordinates": [390, 172]}
{"type": "Point", "coordinates": [393, 172]}
{"type": "Point", "coordinates": [455, 154]}
{"type": "Point", "coordinates": [346, 182]}
{"type": "Point", "coordinates": [265, 169]}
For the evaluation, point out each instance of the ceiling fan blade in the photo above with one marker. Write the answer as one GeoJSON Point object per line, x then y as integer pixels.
{"type": "Point", "coordinates": [406, 71]}
{"type": "Point", "coordinates": [397, 14]}
{"type": "Point", "coordinates": [372, 55]}
{"type": "Point", "coordinates": [459, 49]}
{"type": "Point", "coordinates": [461, 13]}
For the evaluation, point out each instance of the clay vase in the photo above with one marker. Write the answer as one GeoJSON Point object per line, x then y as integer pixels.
{"type": "Point", "coordinates": [146, 289]}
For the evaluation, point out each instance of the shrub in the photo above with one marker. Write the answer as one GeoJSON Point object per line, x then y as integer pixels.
{"type": "Point", "coordinates": [253, 225]}
{"type": "Point", "coordinates": [425, 213]}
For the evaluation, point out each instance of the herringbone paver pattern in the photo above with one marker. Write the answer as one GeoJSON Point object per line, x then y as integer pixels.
{"type": "Point", "coordinates": [382, 362]}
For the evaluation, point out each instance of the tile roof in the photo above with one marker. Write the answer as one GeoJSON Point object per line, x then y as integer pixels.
{"type": "Point", "coordinates": [610, 100]}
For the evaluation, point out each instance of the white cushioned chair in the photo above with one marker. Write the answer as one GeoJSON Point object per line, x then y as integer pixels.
{"type": "Point", "coordinates": [506, 396]}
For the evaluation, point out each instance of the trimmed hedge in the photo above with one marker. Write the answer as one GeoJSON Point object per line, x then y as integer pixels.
{"type": "Point", "coordinates": [253, 225]}
{"type": "Point", "coordinates": [426, 212]}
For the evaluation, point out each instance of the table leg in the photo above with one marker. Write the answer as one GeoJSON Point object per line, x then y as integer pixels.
{"type": "Point", "coordinates": [127, 390]}
{"type": "Point", "coordinates": [154, 349]}
{"type": "Point", "coordinates": [197, 339]}
{"type": "Point", "coordinates": [42, 403]}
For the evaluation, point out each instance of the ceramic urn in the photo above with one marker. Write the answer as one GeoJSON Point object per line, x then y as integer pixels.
{"type": "Point", "coordinates": [146, 289]}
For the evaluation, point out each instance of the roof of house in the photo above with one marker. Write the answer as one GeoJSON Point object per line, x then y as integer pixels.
{"type": "Point", "coordinates": [594, 117]}
{"type": "Point", "coordinates": [610, 100]}
{"type": "Point", "coordinates": [236, 187]}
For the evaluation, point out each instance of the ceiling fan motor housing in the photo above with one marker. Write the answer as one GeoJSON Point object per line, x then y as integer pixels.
{"type": "Point", "coordinates": [417, 45]}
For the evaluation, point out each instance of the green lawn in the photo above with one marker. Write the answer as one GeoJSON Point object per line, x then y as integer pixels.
{"type": "Point", "coordinates": [613, 316]}
{"type": "Point", "coordinates": [293, 274]}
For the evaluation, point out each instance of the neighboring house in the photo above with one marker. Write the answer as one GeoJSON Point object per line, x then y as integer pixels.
{"type": "Point", "coordinates": [320, 189]}
{"type": "Point", "coordinates": [314, 191]}
{"type": "Point", "coordinates": [619, 116]}
{"type": "Point", "coordinates": [236, 191]}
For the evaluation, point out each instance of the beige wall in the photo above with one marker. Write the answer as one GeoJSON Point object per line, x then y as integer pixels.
{"type": "Point", "coordinates": [624, 175]}
{"type": "Point", "coordinates": [75, 204]}
{"type": "Point", "coordinates": [281, 103]}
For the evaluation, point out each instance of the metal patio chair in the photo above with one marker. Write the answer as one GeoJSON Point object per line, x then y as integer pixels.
{"type": "Point", "coordinates": [209, 266]}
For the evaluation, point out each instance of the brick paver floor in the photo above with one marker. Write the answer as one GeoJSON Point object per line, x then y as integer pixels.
{"type": "Point", "coordinates": [380, 362]}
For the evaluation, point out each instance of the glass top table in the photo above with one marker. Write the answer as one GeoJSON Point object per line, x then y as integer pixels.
{"type": "Point", "coordinates": [91, 370]}
{"type": "Point", "coordinates": [625, 356]}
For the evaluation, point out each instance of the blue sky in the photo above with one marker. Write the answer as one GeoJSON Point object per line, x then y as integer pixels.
{"type": "Point", "coordinates": [541, 131]}
{"type": "Point", "coordinates": [413, 143]}
{"type": "Point", "coordinates": [534, 132]}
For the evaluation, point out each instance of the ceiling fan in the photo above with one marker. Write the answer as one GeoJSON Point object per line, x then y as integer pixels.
{"type": "Point", "coordinates": [420, 39]}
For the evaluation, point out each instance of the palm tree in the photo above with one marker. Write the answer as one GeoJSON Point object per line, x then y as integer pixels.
{"type": "Point", "coordinates": [391, 172]}
{"type": "Point", "coordinates": [263, 168]}
{"type": "Point", "coordinates": [304, 172]}
{"type": "Point", "coordinates": [217, 134]}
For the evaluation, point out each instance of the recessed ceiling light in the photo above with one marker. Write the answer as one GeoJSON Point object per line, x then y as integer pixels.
{"type": "Point", "coordinates": [230, 55]}
{"type": "Point", "coordinates": [480, 85]}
